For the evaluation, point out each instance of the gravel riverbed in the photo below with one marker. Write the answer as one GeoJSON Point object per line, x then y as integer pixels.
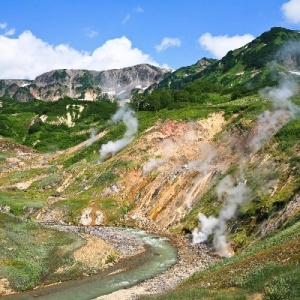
{"type": "Point", "coordinates": [191, 258]}
{"type": "Point", "coordinates": [125, 243]}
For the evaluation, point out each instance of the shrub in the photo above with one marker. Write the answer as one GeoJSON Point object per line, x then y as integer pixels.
{"type": "Point", "coordinates": [49, 181]}
{"type": "Point", "coordinates": [106, 178]}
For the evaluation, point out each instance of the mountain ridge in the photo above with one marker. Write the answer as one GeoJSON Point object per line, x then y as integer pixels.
{"type": "Point", "coordinates": [242, 67]}
{"type": "Point", "coordinates": [83, 84]}
{"type": "Point", "coordinates": [247, 65]}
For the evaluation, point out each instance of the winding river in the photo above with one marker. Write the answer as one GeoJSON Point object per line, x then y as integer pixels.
{"type": "Point", "coordinates": [157, 258]}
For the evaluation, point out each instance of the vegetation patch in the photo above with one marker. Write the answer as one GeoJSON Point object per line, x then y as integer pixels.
{"type": "Point", "coordinates": [25, 122]}
{"type": "Point", "coordinates": [30, 253]}
{"type": "Point", "coordinates": [20, 205]}
{"type": "Point", "coordinates": [268, 267]}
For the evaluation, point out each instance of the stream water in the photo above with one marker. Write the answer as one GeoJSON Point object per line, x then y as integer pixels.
{"type": "Point", "coordinates": [157, 258]}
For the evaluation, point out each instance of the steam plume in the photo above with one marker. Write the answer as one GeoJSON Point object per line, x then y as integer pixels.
{"type": "Point", "coordinates": [268, 124]}
{"type": "Point", "coordinates": [205, 165]}
{"type": "Point", "coordinates": [168, 148]}
{"type": "Point", "coordinates": [152, 164]}
{"type": "Point", "coordinates": [126, 115]}
{"type": "Point", "coordinates": [93, 137]}
{"type": "Point", "coordinates": [235, 194]}
{"type": "Point", "coordinates": [282, 111]}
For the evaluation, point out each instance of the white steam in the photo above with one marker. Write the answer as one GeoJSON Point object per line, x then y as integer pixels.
{"type": "Point", "coordinates": [235, 195]}
{"type": "Point", "coordinates": [205, 166]}
{"type": "Point", "coordinates": [93, 137]}
{"type": "Point", "coordinates": [168, 149]}
{"type": "Point", "coordinates": [208, 225]}
{"type": "Point", "coordinates": [126, 115]}
{"type": "Point", "coordinates": [282, 111]}
{"type": "Point", "coordinates": [152, 164]}
{"type": "Point", "coordinates": [208, 155]}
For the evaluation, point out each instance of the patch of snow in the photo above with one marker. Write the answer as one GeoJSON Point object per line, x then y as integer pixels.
{"type": "Point", "coordinates": [67, 120]}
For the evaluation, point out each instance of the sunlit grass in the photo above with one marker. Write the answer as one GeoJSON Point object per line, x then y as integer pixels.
{"type": "Point", "coordinates": [30, 254]}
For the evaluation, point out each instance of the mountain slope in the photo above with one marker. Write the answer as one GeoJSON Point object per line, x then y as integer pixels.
{"type": "Point", "coordinates": [208, 166]}
{"type": "Point", "coordinates": [49, 126]}
{"type": "Point", "coordinates": [177, 78]}
{"type": "Point", "coordinates": [167, 175]}
{"type": "Point", "coordinates": [260, 61]}
{"type": "Point", "coordinates": [83, 84]}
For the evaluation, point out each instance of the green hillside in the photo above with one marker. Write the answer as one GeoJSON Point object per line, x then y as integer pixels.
{"type": "Point", "coordinates": [269, 270]}
{"type": "Point", "coordinates": [224, 138]}
{"type": "Point", "coordinates": [49, 126]}
{"type": "Point", "coordinates": [250, 66]}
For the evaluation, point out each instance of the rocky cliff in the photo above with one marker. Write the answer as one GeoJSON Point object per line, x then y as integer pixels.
{"type": "Point", "coordinates": [83, 84]}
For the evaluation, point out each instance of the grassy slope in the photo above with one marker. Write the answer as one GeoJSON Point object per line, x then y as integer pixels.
{"type": "Point", "coordinates": [30, 254]}
{"type": "Point", "coordinates": [268, 270]}
{"type": "Point", "coordinates": [23, 121]}
{"type": "Point", "coordinates": [83, 162]}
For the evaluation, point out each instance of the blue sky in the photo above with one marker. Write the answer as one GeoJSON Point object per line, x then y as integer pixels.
{"type": "Point", "coordinates": [37, 36]}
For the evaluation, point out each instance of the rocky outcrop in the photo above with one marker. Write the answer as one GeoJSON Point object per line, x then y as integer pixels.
{"type": "Point", "coordinates": [177, 172]}
{"type": "Point", "coordinates": [205, 62]}
{"type": "Point", "coordinates": [83, 84]}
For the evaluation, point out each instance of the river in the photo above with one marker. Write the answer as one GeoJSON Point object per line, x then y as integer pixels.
{"type": "Point", "coordinates": [157, 258]}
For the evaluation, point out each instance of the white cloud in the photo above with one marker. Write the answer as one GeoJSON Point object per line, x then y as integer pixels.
{"type": "Point", "coordinates": [27, 56]}
{"type": "Point", "coordinates": [126, 19]}
{"type": "Point", "coordinates": [139, 10]}
{"type": "Point", "coordinates": [291, 11]}
{"type": "Point", "coordinates": [168, 42]}
{"type": "Point", "coordinates": [91, 33]}
{"type": "Point", "coordinates": [10, 32]}
{"type": "Point", "coordinates": [220, 45]}
{"type": "Point", "coordinates": [7, 32]}
{"type": "Point", "coordinates": [3, 25]}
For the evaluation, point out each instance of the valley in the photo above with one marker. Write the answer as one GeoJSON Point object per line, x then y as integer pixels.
{"type": "Point", "coordinates": [202, 156]}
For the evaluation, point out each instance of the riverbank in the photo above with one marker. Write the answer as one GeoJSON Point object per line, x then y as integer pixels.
{"type": "Point", "coordinates": [191, 258]}
{"type": "Point", "coordinates": [144, 255]}
{"type": "Point", "coordinates": [132, 247]}
{"type": "Point", "coordinates": [123, 241]}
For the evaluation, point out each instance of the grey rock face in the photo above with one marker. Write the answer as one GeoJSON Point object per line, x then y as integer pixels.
{"type": "Point", "coordinates": [83, 84]}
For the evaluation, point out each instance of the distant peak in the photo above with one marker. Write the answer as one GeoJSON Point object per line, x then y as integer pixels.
{"type": "Point", "coordinates": [204, 61]}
